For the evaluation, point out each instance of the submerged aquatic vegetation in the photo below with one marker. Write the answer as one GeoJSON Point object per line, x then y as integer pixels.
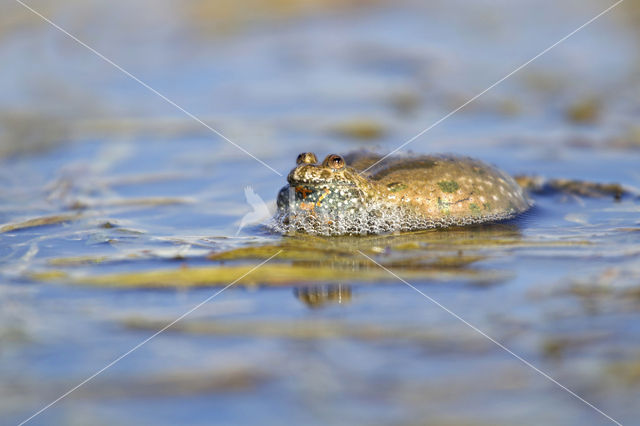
{"type": "Point", "coordinates": [269, 275]}
{"type": "Point", "coordinates": [626, 372]}
{"type": "Point", "coordinates": [39, 221]}
{"type": "Point", "coordinates": [439, 255]}
{"type": "Point", "coordinates": [360, 129]}
{"type": "Point", "coordinates": [585, 111]}
{"type": "Point", "coordinates": [541, 185]}
{"type": "Point", "coordinates": [431, 338]}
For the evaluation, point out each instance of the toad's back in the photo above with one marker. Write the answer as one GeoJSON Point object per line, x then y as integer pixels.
{"type": "Point", "coordinates": [444, 189]}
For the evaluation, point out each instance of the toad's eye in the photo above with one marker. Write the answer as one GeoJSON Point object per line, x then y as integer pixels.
{"type": "Point", "coordinates": [334, 161]}
{"type": "Point", "coordinates": [306, 158]}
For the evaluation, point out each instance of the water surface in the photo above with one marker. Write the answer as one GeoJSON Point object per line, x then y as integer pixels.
{"type": "Point", "coordinates": [134, 191]}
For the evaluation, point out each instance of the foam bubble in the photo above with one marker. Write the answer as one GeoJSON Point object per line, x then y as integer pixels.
{"type": "Point", "coordinates": [374, 219]}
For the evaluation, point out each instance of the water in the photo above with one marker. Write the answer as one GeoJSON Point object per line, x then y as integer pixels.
{"type": "Point", "coordinates": [319, 334]}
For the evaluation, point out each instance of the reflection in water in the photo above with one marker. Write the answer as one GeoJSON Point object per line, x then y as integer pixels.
{"type": "Point", "coordinates": [320, 296]}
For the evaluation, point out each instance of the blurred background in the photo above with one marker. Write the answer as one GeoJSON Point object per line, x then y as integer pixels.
{"type": "Point", "coordinates": [102, 179]}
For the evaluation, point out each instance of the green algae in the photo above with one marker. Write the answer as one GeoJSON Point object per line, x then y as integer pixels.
{"type": "Point", "coordinates": [448, 186]}
{"type": "Point", "coordinates": [396, 186]}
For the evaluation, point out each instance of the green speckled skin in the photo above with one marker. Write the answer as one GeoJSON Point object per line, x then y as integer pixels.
{"type": "Point", "coordinates": [437, 190]}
